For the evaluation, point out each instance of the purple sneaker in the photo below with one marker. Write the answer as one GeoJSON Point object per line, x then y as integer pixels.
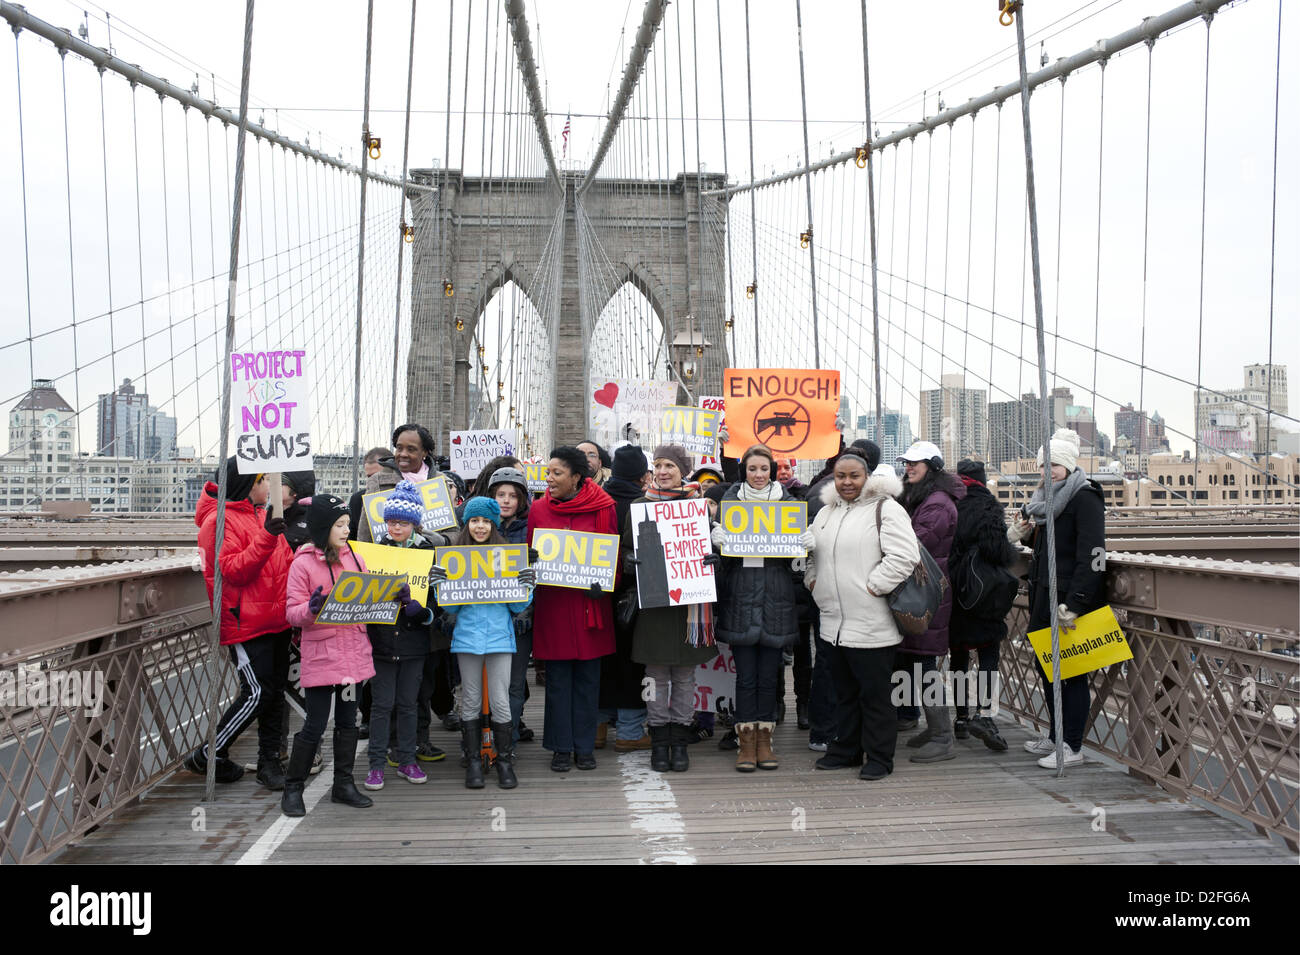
{"type": "Point", "coordinates": [374, 779]}
{"type": "Point", "coordinates": [412, 773]}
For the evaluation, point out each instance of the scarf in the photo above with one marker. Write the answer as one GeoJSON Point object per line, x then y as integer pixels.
{"type": "Point", "coordinates": [1062, 493]}
{"type": "Point", "coordinates": [699, 617]}
{"type": "Point", "coordinates": [589, 498]}
{"type": "Point", "coordinates": [770, 493]}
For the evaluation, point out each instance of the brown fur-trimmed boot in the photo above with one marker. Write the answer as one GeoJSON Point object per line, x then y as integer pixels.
{"type": "Point", "coordinates": [763, 754]}
{"type": "Point", "coordinates": [746, 761]}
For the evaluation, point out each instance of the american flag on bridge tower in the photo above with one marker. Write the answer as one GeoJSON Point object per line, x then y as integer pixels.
{"type": "Point", "coordinates": [565, 135]}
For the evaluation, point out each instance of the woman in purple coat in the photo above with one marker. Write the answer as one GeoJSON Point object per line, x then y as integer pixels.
{"type": "Point", "coordinates": [930, 496]}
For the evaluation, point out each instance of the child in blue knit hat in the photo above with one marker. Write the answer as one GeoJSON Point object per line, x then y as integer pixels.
{"type": "Point", "coordinates": [399, 652]}
{"type": "Point", "coordinates": [483, 639]}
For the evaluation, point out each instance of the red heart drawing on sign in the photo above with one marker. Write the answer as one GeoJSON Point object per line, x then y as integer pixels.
{"type": "Point", "coordinates": [607, 395]}
{"type": "Point", "coordinates": [675, 594]}
{"type": "Point", "coordinates": [456, 440]}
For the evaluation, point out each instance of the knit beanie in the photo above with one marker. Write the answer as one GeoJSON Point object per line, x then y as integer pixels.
{"type": "Point", "coordinates": [323, 512]}
{"type": "Point", "coordinates": [968, 467]}
{"type": "Point", "coordinates": [404, 504]}
{"type": "Point", "coordinates": [869, 452]}
{"type": "Point", "coordinates": [238, 486]}
{"type": "Point", "coordinates": [482, 507]}
{"type": "Point", "coordinates": [676, 454]}
{"type": "Point", "coordinates": [1065, 449]}
{"type": "Point", "coordinates": [630, 463]}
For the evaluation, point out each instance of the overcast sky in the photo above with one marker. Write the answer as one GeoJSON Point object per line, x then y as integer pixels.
{"type": "Point", "coordinates": [307, 76]}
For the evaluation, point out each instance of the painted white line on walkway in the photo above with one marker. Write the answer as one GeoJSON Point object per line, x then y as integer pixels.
{"type": "Point", "coordinates": [654, 811]}
{"type": "Point", "coordinates": [266, 844]}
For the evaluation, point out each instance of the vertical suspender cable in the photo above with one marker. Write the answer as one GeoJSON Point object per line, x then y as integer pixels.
{"type": "Point", "coordinates": [361, 255]}
{"type": "Point", "coordinates": [401, 206]}
{"type": "Point", "coordinates": [1272, 251]}
{"type": "Point", "coordinates": [871, 214]}
{"type": "Point", "coordinates": [753, 201]}
{"type": "Point", "coordinates": [1017, 9]}
{"type": "Point", "coordinates": [726, 210]}
{"type": "Point", "coordinates": [1200, 307]}
{"type": "Point", "coordinates": [807, 159]}
{"type": "Point", "coordinates": [232, 285]}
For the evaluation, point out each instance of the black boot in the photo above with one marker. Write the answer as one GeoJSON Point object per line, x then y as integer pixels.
{"type": "Point", "coordinates": [502, 734]}
{"type": "Point", "coordinates": [471, 734]}
{"type": "Point", "coordinates": [296, 777]}
{"type": "Point", "coordinates": [345, 755]}
{"type": "Point", "coordinates": [679, 737]}
{"type": "Point", "coordinates": [660, 740]}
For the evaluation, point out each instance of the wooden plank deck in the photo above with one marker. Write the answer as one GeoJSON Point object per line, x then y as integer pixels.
{"type": "Point", "coordinates": [980, 807]}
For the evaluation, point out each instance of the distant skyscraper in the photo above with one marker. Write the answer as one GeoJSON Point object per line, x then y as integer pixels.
{"type": "Point", "coordinates": [128, 426]}
{"type": "Point", "coordinates": [897, 437]}
{"type": "Point", "coordinates": [1145, 434]}
{"type": "Point", "coordinates": [956, 419]}
{"type": "Point", "coordinates": [1015, 429]}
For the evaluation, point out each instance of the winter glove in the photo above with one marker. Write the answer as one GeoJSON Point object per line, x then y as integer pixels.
{"type": "Point", "coordinates": [275, 525]}
{"type": "Point", "coordinates": [533, 556]}
{"type": "Point", "coordinates": [718, 536]}
{"type": "Point", "coordinates": [413, 609]}
{"type": "Point", "coordinates": [1019, 529]}
{"type": "Point", "coordinates": [448, 623]}
{"type": "Point", "coordinates": [724, 435]}
{"type": "Point", "coordinates": [595, 591]}
{"type": "Point", "coordinates": [437, 574]}
{"type": "Point", "coordinates": [317, 600]}
{"type": "Point", "coordinates": [1066, 617]}
{"type": "Point", "coordinates": [840, 423]}
{"type": "Point", "coordinates": [711, 560]}
{"type": "Point", "coordinates": [630, 564]}
{"type": "Point", "coordinates": [404, 597]}
{"type": "Point", "coordinates": [807, 541]}
{"type": "Point", "coordinates": [528, 577]}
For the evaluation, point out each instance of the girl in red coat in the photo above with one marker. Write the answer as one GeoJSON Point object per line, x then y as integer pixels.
{"type": "Point", "coordinates": [572, 629]}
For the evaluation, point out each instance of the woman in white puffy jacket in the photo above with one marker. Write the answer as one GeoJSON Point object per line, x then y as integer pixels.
{"type": "Point", "coordinates": [850, 571]}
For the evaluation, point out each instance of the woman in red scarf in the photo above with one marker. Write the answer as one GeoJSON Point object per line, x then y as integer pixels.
{"type": "Point", "coordinates": [572, 629]}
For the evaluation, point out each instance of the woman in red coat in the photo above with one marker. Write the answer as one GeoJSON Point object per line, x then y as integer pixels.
{"type": "Point", "coordinates": [572, 629]}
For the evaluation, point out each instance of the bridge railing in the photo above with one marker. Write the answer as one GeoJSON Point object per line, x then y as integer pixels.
{"type": "Point", "coordinates": [102, 689]}
{"type": "Point", "coordinates": [1208, 705]}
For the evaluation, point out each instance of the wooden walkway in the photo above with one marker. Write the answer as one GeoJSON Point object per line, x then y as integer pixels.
{"type": "Point", "coordinates": [980, 807]}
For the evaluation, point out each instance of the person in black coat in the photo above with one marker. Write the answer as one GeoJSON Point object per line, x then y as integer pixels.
{"type": "Point", "coordinates": [981, 538]}
{"type": "Point", "coordinates": [1080, 530]}
{"type": "Point", "coordinates": [620, 675]}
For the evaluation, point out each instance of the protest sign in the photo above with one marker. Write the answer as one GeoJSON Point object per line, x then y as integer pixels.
{"type": "Point", "coordinates": [271, 398]}
{"type": "Point", "coordinates": [715, 683]}
{"type": "Point", "coordinates": [764, 528]}
{"type": "Point", "coordinates": [412, 562]}
{"type": "Point", "coordinates": [627, 409]}
{"type": "Point", "coordinates": [575, 558]}
{"type": "Point", "coordinates": [470, 450]}
{"type": "Point", "coordinates": [482, 574]}
{"type": "Point", "coordinates": [719, 404]}
{"type": "Point", "coordinates": [435, 495]}
{"type": "Point", "coordinates": [1095, 642]}
{"type": "Point", "coordinates": [790, 410]}
{"type": "Point", "coordinates": [671, 540]}
{"type": "Point", "coordinates": [695, 429]}
{"type": "Point", "coordinates": [535, 475]}
{"type": "Point", "coordinates": [362, 598]}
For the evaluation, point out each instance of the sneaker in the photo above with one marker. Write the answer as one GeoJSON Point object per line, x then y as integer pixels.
{"type": "Point", "coordinates": [412, 773]}
{"type": "Point", "coordinates": [873, 771]}
{"type": "Point", "coordinates": [816, 747]}
{"type": "Point", "coordinates": [729, 742]}
{"type": "Point", "coordinates": [428, 753]}
{"type": "Point", "coordinates": [316, 764]}
{"type": "Point", "coordinates": [697, 733]}
{"type": "Point", "coordinates": [961, 728]}
{"type": "Point", "coordinates": [374, 779]}
{"type": "Point", "coordinates": [526, 735]}
{"type": "Point", "coordinates": [837, 762]}
{"type": "Point", "coordinates": [983, 728]}
{"type": "Point", "coordinates": [561, 763]}
{"type": "Point", "coordinates": [1072, 758]}
{"type": "Point", "coordinates": [584, 761]}
{"type": "Point", "coordinates": [1041, 746]}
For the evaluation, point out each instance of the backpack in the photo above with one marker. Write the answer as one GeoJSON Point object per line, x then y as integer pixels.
{"type": "Point", "coordinates": [916, 600]}
{"type": "Point", "coordinates": [981, 589]}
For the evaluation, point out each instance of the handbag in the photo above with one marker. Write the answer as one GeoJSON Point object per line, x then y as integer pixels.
{"type": "Point", "coordinates": [916, 600]}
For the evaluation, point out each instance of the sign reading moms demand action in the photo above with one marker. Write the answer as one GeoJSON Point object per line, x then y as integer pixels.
{"type": "Point", "coordinates": [270, 395]}
{"type": "Point", "coordinates": [471, 450]}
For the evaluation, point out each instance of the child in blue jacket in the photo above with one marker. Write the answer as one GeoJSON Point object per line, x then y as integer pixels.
{"type": "Point", "coordinates": [483, 637]}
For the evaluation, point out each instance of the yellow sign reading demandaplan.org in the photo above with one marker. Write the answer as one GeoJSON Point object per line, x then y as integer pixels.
{"type": "Point", "coordinates": [1095, 642]}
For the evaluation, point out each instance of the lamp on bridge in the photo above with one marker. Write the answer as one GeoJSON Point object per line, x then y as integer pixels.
{"type": "Point", "coordinates": [688, 352]}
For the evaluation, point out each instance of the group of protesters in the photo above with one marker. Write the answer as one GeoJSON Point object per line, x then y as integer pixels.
{"type": "Point", "coordinates": [612, 669]}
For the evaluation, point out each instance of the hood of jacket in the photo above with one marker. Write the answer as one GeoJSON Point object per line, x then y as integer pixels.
{"type": "Point", "coordinates": [882, 483]}
{"type": "Point", "coordinates": [208, 504]}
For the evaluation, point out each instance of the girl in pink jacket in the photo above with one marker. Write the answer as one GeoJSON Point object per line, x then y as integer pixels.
{"type": "Point", "coordinates": [335, 659]}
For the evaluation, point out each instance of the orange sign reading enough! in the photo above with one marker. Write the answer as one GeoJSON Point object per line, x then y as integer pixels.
{"type": "Point", "coordinates": [791, 410]}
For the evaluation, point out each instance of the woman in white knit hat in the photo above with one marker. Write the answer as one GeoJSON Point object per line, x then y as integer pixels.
{"type": "Point", "coordinates": [1080, 518]}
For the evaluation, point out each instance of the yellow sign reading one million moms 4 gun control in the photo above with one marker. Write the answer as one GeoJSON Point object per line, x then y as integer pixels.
{"type": "Point", "coordinates": [482, 574]}
{"type": "Point", "coordinates": [575, 558]}
{"type": "Point", "coordinates": [764, 528]}
{"type": "Point", "coordinates": [362, 598]}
